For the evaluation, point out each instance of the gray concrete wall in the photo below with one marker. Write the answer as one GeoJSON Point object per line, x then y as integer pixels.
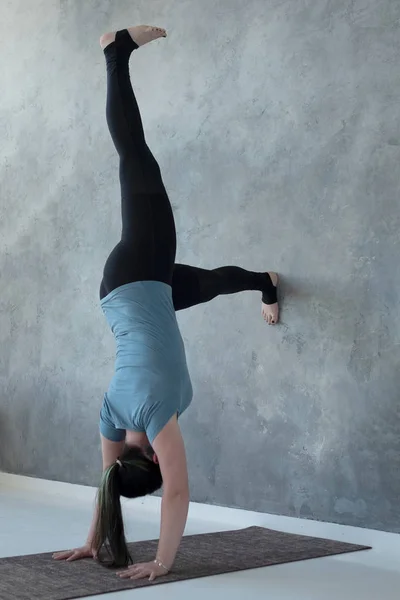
{"type": "Point", "coordinates": [277, 127]}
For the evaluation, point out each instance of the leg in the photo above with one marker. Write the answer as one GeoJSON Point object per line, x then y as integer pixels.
{"type": "Point", "coordinates": [148, 240]}
{"type": "Point", "coordinates": [192, 286]}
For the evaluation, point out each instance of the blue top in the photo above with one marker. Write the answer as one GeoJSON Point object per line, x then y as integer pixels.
{"type": "Point", "coordinates": [151, 381]}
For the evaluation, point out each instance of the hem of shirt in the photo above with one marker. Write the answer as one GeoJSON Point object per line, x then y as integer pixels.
{"type": "Point", "coordinates": [128, 285]}
{"type": "Point", "coordinates": [107, 435]}
{"type": "Point", "coordinates": [158, 430]}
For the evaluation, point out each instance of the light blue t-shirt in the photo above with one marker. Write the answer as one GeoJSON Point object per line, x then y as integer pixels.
{"type": "Point", "coordinates": [151, 381]}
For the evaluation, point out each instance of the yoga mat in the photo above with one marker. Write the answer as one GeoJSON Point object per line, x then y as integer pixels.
{"type": "Point", "coordinates": [39, 577]}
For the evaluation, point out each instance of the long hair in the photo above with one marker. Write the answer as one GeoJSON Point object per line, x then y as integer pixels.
{"type": "Point", "coordinates": [138, 476]}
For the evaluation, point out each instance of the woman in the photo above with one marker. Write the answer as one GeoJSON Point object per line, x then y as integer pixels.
{"type": "Point", "coordinates": [141, 289]}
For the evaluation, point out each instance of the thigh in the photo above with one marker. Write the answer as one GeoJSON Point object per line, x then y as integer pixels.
{"type": "Point", "coordinates": [147, 247]}
{"type": "Point", "coordinates": [148, 224]}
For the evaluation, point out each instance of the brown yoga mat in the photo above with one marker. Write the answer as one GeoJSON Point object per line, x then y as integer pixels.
{"type": "Point", "coordinates": [39, 577]}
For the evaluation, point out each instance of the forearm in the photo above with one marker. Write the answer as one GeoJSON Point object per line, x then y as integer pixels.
{"type": "Point", "coordinates": [174, 511]}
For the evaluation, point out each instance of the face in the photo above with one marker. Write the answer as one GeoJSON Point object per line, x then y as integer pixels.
{"type": "Point", "coordinates": [135, 438]}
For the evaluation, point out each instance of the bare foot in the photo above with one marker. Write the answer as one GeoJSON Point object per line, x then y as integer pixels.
{"type": "Point", "coordinates": [270, 312]}
{"type": "Point", "coordinates": [141, 35]}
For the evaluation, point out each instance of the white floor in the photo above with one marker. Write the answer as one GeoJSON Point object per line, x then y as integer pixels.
{"type": "Point", "coordinates": [39, 516]}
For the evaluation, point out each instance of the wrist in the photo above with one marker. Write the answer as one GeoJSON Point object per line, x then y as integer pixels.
{"type": "Point", "coordinates": [162, 565]}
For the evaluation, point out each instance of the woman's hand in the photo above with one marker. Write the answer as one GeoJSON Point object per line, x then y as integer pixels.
{"type": "Point", "coordinates": [76, 554]}
{"type": "Point", "coordinates": [142, 570]}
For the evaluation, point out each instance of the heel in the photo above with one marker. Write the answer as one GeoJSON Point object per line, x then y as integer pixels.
{"type": "Point", "coordinates": [270, 293]}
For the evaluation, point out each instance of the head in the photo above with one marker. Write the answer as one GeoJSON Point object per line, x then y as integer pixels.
{"type": "Point", "coordinates": [135, 474]}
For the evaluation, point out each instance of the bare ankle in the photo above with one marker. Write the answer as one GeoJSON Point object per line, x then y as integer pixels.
{"type": "Point", "coordinates": [107, 39]}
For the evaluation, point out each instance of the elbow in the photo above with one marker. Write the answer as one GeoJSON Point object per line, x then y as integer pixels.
{"type": "Point", "coordinates": [177, 495]}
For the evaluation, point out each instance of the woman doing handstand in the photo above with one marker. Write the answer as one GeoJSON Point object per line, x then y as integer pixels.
{"type": "Point", "coordinates": [141, 290]}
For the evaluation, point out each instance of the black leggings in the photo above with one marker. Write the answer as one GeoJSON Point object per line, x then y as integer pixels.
{"type": "Point", "coordinates": [148, 239]}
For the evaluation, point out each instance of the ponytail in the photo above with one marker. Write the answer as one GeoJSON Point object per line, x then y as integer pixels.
{"type": "Point", "coordinates": [133, 475]}
{"type": "Point", "coordinates": [109, 532]}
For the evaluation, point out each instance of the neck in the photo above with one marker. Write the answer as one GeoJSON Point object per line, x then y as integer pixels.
{"type": "Point", "coordinates": [136, 438]}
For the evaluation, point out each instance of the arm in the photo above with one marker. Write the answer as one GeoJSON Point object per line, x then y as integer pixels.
{"type": "Point", "coordinates": [170, 450]}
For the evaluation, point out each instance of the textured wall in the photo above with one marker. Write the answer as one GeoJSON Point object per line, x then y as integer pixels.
{"type": "Point", "coordinates": [277, 127]}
